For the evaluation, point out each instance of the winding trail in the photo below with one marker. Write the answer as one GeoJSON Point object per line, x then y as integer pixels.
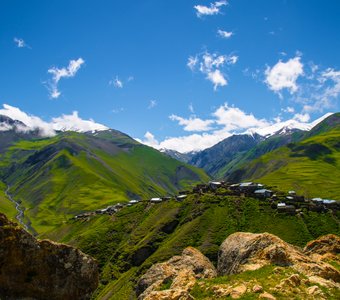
{"type": "Point", "coordinates": [20, 214]}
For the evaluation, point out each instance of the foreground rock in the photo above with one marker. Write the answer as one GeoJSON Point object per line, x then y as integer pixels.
{"type": "Point", "coordinates": [248, 251]}
{"type": "Point", "coordinates": [32, 269]}
{"type": "Point", "coordinates": [326, 245]}
{"type": "Point", "coordinates": [289, 272]}
{"type": "Point", "coordinates": [179, 274]}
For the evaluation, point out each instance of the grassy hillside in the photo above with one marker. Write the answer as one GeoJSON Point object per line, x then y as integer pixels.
{"type": "Point", "coordinates": [311, 167]}
{"type": "Point", "coordinates": [216, 159]}
{"type": "Point", "coordinates": [6, 206]}
{"type": "Point", "coordinates": [128, 243]}
{"type": "Point", "coordinates": [263, 147]}
{"type": "Point", "coordinates": [59, 177]}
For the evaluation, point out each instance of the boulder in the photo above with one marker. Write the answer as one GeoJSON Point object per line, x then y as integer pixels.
{"type": "Point", "coordinates": [181, 271]}
{"type": "Point", "coordinates": [238, 291]}
{"type": "Point", "coordinates": [36, 269]}
{"type": "Point", "coordinates": [327, 244]}
{"type": "Point", "coordinates": [249, 251]}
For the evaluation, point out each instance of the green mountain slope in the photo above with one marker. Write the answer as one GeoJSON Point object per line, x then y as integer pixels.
{"type": "Point", "coordinates": [215, 160]}
{"type": "Point", "coordinates": [59, 177]}
{"type": "Point", "coordinates": [311, 167]}
{"type": "Point", "coordinates": [263, 147]}
{"type": "Point", "coordinates": [136, 237]}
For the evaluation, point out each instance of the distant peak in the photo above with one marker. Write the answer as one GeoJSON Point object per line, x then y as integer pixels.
{"type": "Point", "coordinates": [286, 127]}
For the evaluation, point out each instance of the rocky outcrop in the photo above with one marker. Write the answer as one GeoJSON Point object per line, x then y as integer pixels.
{"type": "Point", "coordinates": [33, 269]}
{"type": "Point", "coordinates": [295, 273]}
{"type": "Point", "coordinates": [327, 244]}
{"type": "Point", "coordinates": [179, 274]}
{"type": "Point", "coordinates": [248, 251]}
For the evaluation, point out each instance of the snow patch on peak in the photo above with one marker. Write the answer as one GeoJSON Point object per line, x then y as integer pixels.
{"type": "Point", "coordinates": [285, 127]}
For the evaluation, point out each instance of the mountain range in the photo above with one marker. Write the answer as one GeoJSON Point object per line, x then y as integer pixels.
{"type": "Point", "coordinates": [55, 178]}
{"type": "Point", "coordinates": [309, 158]}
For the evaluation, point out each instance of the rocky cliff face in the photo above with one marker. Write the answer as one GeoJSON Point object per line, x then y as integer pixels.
{"type": "Point", "coordinates": [32, 269]}
{"type": "Point", "coordinates": [282, 270]}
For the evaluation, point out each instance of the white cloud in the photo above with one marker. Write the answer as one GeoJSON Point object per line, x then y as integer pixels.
{"type": "Point", "coordinates": [193, 123]}
{"type": "Point", "coordinates": [193, 142]}
{"type": "Point", "coordinates": [116, 82]}
{"type": "Point", "coordinates": [32, 122]}
{"type": "Point", "coordinates": [233, 118]}
{"type": "Point", "coordinates": [152, 104]}
{"type": "Point", "coordinates": [228, 120]}
{"type": "Point", "coordinates": [57, 74]}
{"type": "Point", "coordinates": [149, 140]}
{"type": "Point", "coordinates": [225, 121]}
{"type": "Point", "coordinates": [217, 78]}
{"type": "Point", "coordinates": [21, 43]}
{"type": "Point", "coordinates": [192, 62]}
{"type": "Point", "coordinates": [284, 75]}
{"type": "Point", "coordinates": [65, 122]}
{"type": "Point", "coordinates": [303, 118]}
{"type": "Point", "coordinates": [289, 109]}
{"type": "Point", "coordinates": [211, 65]}
{"type": "Point", "coordinates": [321, 91]}
{"type": "Point", "coordinates": [74, 123]}
{"type": "Point", "coordinates": [213, 9]}
{"type": "Point", "coordinates": [119, 83]}
{"type": "Point", "coordinates": [225, 34]}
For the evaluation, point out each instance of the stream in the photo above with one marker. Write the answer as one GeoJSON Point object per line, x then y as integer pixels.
{"type": "Point", "coordinates": [20, 214]}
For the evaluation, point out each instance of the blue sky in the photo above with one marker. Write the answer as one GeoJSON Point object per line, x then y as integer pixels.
{"type": "Point", "coordinates": [177, 74]}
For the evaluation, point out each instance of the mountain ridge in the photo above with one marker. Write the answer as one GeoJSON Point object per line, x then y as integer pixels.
{"type": "Point", "coordinates": [58, 177]}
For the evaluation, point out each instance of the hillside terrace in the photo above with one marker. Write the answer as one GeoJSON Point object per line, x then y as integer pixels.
{"type": "Point", "coordinates": [284, 202]}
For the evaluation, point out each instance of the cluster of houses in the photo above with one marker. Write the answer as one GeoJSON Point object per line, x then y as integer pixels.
{"type": "Point", "coordinates": [110, 210]}
{"type": "Point", "coordinates": [288, 203]}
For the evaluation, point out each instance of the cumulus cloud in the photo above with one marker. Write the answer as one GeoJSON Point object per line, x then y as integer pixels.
{"type": "Point", "coordinates": [224, 34]}
{"type": "Point", "coordinates": [149, 140]}
{"type": "Point", "coordinates": [31, 122]}
{"type": "Point", "coordinates": [193, 123]}
{"type": "Point", "coordinates": [210, 64]}
{"type": "Point", "coordinates": [193, 142]}
{"type": "Point", "coordinates": [65, 122]}
{"type": "Point", "coordinates": [234, 119]}
{"type": "Point", "coordinates": [21, 43]}
{"type": "Point", "coordinates": [226, 120]}
{"type": "Point", "coordinates": [217, 78]}
{"type": "Point", "coordinates": [74, 123]}
{"type": "Point", "coordinates": [213, 9]}
{"type": "Point", "coordinates": [65, 72]}
{"type": "Point", "coordinates": [283, 75]}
